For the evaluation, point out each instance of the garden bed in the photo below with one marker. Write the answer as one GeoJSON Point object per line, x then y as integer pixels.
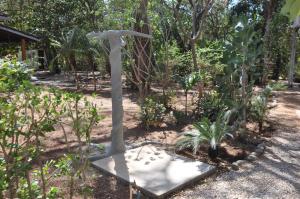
{"type": "Point", "coordinates": [229, 152]}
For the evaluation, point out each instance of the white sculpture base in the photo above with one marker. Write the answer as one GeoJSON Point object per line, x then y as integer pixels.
{"type": "Point", "coordinates": [154, 170]}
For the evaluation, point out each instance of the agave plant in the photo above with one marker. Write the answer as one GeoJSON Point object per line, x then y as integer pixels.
{"type": "Point", "coordinates": [205, 132]}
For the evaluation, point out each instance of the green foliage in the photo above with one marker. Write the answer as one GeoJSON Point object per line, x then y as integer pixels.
{"type": "Point", "coordinates": [179, 116]}
{"type": "Point", "coordinates": [210, 59]}
{"type": "Point", "coordinates": [12, 74]}
{"type": "Point", "coordinates": [291, 9]}
{"type": "Point", "coordinates": [23, 191]}
{"type": "Point", "coordinates": [152, 112]}
{"type": "Point", "coordinates": [187, 82]}
{"type": "Point", "coordinates": [206, 132]}
{"type": "Point", "coordinates": [3, 176]}
{"type": "Point", "coordinates": [182, 62]}
{"type": "Point", "coordinates": [53, 193]}
{"type": "Point", "coordinates": [210, 105]}
{"type": "Point", "coordinates": [245, 46]}
{"type": "Point", "coordinates": [278, 86]}
{"type": "Point", "coordinates": [259, 107]}
{"type": "Point", "coordinates": [28, 114]}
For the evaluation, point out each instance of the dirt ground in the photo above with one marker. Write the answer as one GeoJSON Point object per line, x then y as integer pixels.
{"type": "Point", "coordinates": [133, 131]}
{"type": "Point", "coordinates": [104, 186]}
{"type": "Point", "coordinates": [107, 187]}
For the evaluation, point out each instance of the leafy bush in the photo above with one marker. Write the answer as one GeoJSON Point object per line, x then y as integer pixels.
{"type": "Point", "coordinates": [12, 74]}
{"type": "Point", "coordinates": [210, 105]}
{"type": "Point", "coordinates": [210, 60]}
{"type": "Point", "coordinates": [258, 110]}
{"type": "Point", "coordinates": [152, 112]}
{"type": "Point", "coordinates": [28, 113]}
{"type": "Point", "coordinates": [206, 132]}
{"type": "Point", "coordinates": [278, 86]}
{"type": "Point", "coordinates": [179, 116]}
{"type": "Point", "coordinates": [182, 62]}
{"type": "Point", "coordinates": [259, 107]}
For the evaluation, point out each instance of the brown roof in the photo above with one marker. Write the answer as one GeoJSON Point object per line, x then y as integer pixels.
{"type": "Point", "coordinates": [8, 34]}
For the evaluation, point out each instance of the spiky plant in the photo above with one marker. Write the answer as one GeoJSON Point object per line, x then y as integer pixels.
{"type": "Point", "coordinates": [205, 132]}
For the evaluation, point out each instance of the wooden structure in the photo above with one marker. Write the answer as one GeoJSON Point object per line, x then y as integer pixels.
{"type": "Point", "coordinates": [8, 35]}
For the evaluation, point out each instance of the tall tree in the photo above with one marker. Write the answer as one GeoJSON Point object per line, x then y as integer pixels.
{"type": "Point", "coordinates": [195, 12]}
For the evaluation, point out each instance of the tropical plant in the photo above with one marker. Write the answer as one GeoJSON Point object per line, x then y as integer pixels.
{"type": "Point", "coordinates": [206, 132]}
{"type": "Point", "coordinates": [210, 105]}
{"type": "Point", "coordinates": [187, 83]}
{"type": "Point", "coordinates": [259, 107]}
{"type": "Point", "coordinates": [258, 110]}
{"type": "Point", "coordinates": [291, 8]}
{"type": "Point", "coordinates": [72, 43]}
{"type": "Point", "coordinates": [242, 56]}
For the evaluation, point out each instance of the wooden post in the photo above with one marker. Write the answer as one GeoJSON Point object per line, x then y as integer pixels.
{"type": "Point", "coordinates": [23, 49]}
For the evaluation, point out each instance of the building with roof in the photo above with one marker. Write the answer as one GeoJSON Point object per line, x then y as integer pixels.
{"type": "Point", "coordinates": [12, 35]}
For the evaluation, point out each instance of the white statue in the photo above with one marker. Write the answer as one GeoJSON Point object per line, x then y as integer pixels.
{"type": "Point", "coordinates": [116, 43]}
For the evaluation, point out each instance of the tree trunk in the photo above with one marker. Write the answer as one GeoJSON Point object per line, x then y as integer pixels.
{"type": "Point", "coordinates": [186, 98]}
{"type": "Point", "coordinates": [93, 66]}
{"type": "Point", "coordinates": [276, 70]}
{"type": "Point", "coordinates": [73, 65]}
{"type": "Point", "coordinates": [107, 66]}
{"type": "Point", "coordinates": [244, 93]}
{"type": "Point", "coordinates": [194, 55]}
{"type": "Point", "coordinates": [260, 126]}
{"type": "Point", "coordinates": [142, 49]}
{"type": "Point", "coordinates": [291, 70]}
{"type": "Point", "coordinates": [269, 5]}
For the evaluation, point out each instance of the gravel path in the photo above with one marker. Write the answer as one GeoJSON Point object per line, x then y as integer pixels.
{"type": "Point", "coordinates": [276, 174]}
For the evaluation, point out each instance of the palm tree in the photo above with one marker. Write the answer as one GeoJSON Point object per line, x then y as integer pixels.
{"type": "Point", "coordinates": [71, 44]}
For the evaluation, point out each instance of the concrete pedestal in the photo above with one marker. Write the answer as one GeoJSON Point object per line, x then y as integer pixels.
{"type": "Point", "coordinates": [155, 171]}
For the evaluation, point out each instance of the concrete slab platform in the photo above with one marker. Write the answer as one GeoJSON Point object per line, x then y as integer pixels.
{"type": "Point", "coordinates": [154, 170]}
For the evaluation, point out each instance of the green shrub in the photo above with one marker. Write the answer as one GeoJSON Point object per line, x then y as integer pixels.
{"type": "Point", "coordinates": [210, 105]}
{"type": "Point", "coordinates": [258, 110]}
{"type": "Point", "coordinates": [152, 112]}
{"type": "Point", "coordinates": [278, 86]}
{"type": "Point", "coordinates": [12, 74]}
{"type": "Point", "coordinates": [179, 116]}
{"type": "Point", "coordinates": [259, 107]}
